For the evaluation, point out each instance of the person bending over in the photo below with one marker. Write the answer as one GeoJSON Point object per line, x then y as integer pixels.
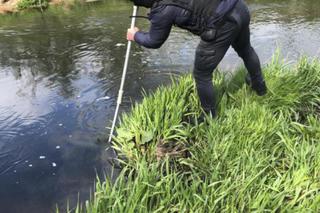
{"type": "Point", "coordinates": [219, 23]}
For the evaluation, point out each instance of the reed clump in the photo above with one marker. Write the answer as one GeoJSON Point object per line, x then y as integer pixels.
{"type": "Point", "coordinates": [260, 154]}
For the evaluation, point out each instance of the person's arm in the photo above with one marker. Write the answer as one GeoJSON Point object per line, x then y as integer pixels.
{"type": "Point", "coordinates": [161, 19]}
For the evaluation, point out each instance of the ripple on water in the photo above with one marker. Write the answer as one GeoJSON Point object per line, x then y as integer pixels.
{"type": "Point", "coordinates": [11, 157]}
{"type": "Point", "coordinates": [15, 123]}
{"type": "Point", "coordinates": [93, 116]}
{"type": "Point", "coordinates": [9, 125]}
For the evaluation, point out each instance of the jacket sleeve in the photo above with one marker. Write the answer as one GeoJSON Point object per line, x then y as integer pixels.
{"type": "Point", "coordinates": [161, 18]}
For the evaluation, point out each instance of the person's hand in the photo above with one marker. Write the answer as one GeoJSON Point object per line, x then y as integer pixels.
{"type": "Point", "coordinates": [131, 33]}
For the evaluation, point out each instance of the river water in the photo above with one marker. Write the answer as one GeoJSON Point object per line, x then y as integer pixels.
{"type": "Point", "coordinates": [59, 77]}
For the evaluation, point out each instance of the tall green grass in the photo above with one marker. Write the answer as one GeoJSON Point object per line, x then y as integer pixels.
{"type": "Point", "coordinates": [261, 154]}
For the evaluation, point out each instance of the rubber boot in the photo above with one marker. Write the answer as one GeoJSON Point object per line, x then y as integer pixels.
{"type": "Point", "coordinates": [205, 115]}
{"type": "Point", "coordinates": [202, 118]}
{"type": "Point", "coordinates": [258, 85]}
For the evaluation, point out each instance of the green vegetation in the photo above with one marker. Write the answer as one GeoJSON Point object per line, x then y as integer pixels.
{"type": "Point", "coordinates": [13, 6]}
{"type": "Point", "coordinates": [261, 154]}
{"type": "Point", "coordinates": [28, 4]}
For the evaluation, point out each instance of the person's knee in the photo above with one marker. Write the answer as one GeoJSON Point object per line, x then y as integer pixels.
{"type": "Point", "coordinates": [201, 77]}
{"type": "Point", "coordinates": [204, 66]}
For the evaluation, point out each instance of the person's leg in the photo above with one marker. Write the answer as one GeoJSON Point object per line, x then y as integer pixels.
{"type": "Point", "coordinates": [242, 46]}
{"type": "Point", "coordinates": [208, 56]}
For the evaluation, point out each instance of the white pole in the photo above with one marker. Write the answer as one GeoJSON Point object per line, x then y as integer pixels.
{"type": "Point", "coordinates": [124, 73]}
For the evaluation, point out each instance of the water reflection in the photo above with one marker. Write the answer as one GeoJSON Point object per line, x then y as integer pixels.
{"type": "Point", "coordinates": [59, 77]}
{"type": "Point", "coordinates": [52, 70]}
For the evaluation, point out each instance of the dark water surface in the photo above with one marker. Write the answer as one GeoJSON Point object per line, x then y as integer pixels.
{"type": "Point", "coordinates": [59, 77]}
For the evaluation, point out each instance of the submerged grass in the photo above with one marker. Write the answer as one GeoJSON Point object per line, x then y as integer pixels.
{"type": "Point", "coordinates": [261, 154]}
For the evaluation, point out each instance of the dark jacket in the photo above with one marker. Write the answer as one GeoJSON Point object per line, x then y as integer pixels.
{"type": "Point", "coordinates": [163, 17]}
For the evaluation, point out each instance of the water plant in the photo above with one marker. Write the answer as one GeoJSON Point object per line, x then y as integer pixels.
{"type": "Point", "coordinates": [261, 154]}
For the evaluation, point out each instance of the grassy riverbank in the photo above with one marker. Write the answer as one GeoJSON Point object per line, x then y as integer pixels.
{"type": "Point", "coordinates": [15, 6]}
{"type": "Point", "coordinates": [259, 154]}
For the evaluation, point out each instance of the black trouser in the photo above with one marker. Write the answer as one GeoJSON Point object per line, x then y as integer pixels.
{"type": "Point", "coordinates": [235, 32]}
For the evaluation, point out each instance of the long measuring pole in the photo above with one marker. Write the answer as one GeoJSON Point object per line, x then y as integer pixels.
{"type": "Point", "coordinates": [124, 73]}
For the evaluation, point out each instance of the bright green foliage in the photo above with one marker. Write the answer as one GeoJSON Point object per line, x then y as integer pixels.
{"type": "Point", "coordinates": [261, 154]}
{"type": "Point", "coordinates": [27, 4]}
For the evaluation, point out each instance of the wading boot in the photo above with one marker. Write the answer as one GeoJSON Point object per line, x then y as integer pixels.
{"type": "Point", "coordinates": [206, 115]}
{"type": "Point", "coordinates": [202, 118]}
{"type": "Point", "coordinates": [258, 85]}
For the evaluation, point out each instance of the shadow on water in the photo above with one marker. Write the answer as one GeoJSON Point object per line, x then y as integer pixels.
{"type": "Point", "coordinates": [59, 77]}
